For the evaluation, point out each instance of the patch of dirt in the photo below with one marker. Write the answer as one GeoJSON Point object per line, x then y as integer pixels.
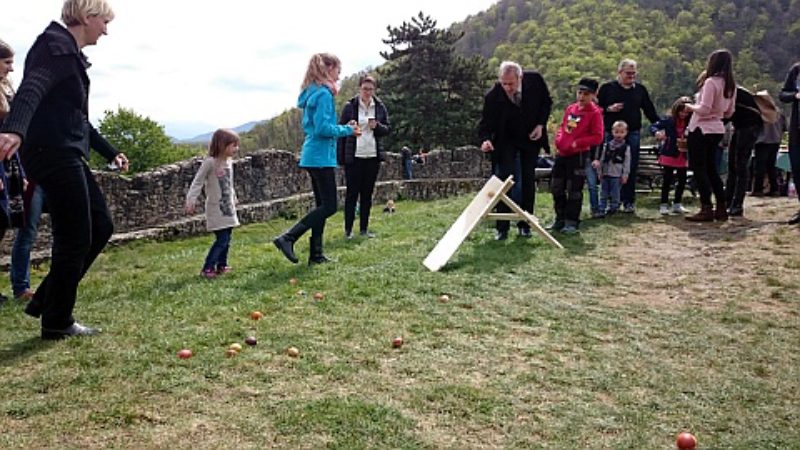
{"type": "Point", "coordinates": [669, 262]}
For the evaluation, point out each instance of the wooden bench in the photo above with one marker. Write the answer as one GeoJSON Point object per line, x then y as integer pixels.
{"type": "Point", "coordinates": [649, 170]}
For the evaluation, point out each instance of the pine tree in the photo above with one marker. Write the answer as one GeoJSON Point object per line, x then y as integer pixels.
{"type": "Point", "coordinates": [433, 94]}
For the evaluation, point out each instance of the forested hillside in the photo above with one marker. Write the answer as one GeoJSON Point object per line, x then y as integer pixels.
{"type": "Point", "coordinates": [566, 39]}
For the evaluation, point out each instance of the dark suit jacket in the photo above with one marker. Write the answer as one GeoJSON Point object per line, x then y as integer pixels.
{"type": "Point", "coordinates": [51, 107]}
{"type": "Point", "coordinates": [497, 108]}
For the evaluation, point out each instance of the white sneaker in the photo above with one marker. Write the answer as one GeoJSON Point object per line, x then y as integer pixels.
{"type": "Point", "coordinates": [629, 209]}
{"type": "Point", "coordinates": [677, 208]}
{"type": "Point", "coordinates": [663, 209]}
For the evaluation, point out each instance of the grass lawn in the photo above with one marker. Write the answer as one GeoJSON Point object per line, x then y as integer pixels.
{"type": "Point", "coordinates": [537, 347]}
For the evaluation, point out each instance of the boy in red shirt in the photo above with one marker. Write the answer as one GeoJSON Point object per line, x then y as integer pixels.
{"type": "Point", "coordinates": [581, 128]}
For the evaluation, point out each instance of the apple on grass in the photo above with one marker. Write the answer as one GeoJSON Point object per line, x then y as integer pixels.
{"type": "Point", "coordinates": [184, 353]}
{"type": "Point", "coordinates": [686, 441]}
{"type": "Point", "coordinates": [397, 342]}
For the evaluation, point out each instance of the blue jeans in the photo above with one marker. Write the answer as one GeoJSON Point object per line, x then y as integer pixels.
{"type": "Point", "coordinates": [628, 192]}
{"type": "Point", "coordinates": [611, 187]}
{"type": "Point", "coordinates": [20, 270]}
{"type": "Point", "coordinates": [218, 253]}
{"type": "Point", "coordinates": [591, 186]}
{"type": "Point", "coordinates": [408, 171]}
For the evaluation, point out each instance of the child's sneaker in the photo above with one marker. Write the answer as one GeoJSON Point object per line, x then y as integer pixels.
{"type": "Point", "coordinates": [208, 274]}
{"type": "Point", "coordinates": [663, 209]}
{"type": "Point", "coordinates": [677, 208]}
{"type": "Point", "coordinates": [223, 269]}
{"type": "Point", "coordinates": [570, 229]}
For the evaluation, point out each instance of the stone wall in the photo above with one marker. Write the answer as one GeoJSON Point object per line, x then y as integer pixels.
{"type": "Point", "coordinates": [268, 183]}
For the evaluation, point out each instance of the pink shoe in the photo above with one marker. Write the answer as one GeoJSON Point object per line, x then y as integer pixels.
{"type": "Point", "coordinates": [208, 274]}
{"type": "Point", "coordinates": [223, 269]}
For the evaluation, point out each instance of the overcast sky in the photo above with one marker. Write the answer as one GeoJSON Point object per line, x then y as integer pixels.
{"type": "Point", "coordinates": [197, 65]}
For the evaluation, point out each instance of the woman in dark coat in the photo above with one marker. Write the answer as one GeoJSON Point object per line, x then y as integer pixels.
{"type": "Point", "coordinates": [791, 94]}
{"type": "Point", "coordinates": [49, 123]}
{"type": "Point", "coordinates": [362, 155]}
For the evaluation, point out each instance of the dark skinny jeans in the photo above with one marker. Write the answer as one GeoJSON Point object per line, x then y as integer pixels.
{"type": "Point", "coordinates": [361, 176]}
{"type": "Point", "coordinates": [702, 161]}
{"type": "Point", "coordinates": [670, 174]}
{"type": "Point", "coordinates": [739, 152]}
{"type": "Point", "coordinates": [323, 182]}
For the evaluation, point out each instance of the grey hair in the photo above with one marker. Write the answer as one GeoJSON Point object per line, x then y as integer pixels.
{"type": "Point", "coordinates": [509, 66]}
{"type": "Point", "coordinates": [625, 63]}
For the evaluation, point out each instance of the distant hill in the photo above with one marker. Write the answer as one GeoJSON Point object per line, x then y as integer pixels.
{"type": "Point", "coordinates": [568, 39]}
{"type": "Point", "coordinates": [206, 138]}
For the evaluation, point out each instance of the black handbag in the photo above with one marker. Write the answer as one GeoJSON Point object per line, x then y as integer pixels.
{"type": "Point", "coordinates": [15, 189]}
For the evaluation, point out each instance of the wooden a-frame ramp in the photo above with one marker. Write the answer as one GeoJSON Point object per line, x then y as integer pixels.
{"type": "Point", "coordinates": [480, 208]}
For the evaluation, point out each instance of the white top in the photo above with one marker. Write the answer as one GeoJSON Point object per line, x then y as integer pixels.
{"type": "Point", "coordinates": [217, 179]}
{"type": "Point", "coordinates": [365, 144]}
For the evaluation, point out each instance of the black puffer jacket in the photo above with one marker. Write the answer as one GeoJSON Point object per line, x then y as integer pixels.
{"type": "Point", "coordinates": [346, 146]}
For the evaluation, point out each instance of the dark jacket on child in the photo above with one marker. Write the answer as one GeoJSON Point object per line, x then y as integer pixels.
{"type": "Point", "coordinates": [670, 146]}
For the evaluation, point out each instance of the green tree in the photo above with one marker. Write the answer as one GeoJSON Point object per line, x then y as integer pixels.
{"type": "Point", "coordinates": [142, 140]}
{"type": "Point", "coordinates": [434, 95]}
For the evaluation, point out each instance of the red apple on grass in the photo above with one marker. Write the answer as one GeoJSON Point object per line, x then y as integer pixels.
{"type": "Point", "coordinates": [397, 342]}
{"type": "Point", "coordinates": [250, 340]}
{"type": "Point", "coordinates": [686, 441]}
{"type": "Point", "coordinates": [184, 353]}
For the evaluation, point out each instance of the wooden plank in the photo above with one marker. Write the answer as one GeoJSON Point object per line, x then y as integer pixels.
{"type": "Point", "coordinates": [478, 208]}
{"type": "Point", "coordinates": [532, 220]}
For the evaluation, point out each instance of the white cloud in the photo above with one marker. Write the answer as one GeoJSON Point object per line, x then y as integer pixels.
{"type": "Point", "coordinates": [198, 65]}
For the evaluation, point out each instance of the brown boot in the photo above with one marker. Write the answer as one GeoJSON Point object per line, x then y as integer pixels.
{"type": "Point", "coordinates": [721, 213]}
{"type": "Point", "coordinates": [706, 214]}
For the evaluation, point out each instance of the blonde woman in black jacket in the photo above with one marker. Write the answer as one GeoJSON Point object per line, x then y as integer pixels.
{"type": "Point", "coordinates": [362, 155]}
{"type": "Point", "coordinates": [49, 123]}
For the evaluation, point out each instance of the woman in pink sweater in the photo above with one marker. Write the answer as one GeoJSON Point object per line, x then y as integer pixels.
{"type": "Point", "coordinates": [714, 101]}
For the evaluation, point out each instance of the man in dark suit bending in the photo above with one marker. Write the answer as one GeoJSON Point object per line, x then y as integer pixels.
{"type": "Point", "coordinates": [512, 130]}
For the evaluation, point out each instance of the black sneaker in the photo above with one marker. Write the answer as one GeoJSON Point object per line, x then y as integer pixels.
{"type": "Point", "coordinates": [524, 233]}
{"type": "Point", "coordinates": [558, 225]}
{"type": "Point", "coordinates": [500, 235]}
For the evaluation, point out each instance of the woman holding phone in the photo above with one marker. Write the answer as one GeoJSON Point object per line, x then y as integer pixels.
{"type": "Point", "coordinates": [362, 155]}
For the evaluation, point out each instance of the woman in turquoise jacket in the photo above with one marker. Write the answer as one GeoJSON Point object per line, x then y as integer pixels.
{"type": "Point", "coordinates": [318, 156]}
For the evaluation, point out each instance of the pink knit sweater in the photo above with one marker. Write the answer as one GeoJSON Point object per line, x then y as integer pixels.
{"type": "Point", "coordinates": [712, 107]}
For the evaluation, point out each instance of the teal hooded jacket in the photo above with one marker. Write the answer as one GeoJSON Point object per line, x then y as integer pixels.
{"type": "Point", "coordinates": [320, 127]}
